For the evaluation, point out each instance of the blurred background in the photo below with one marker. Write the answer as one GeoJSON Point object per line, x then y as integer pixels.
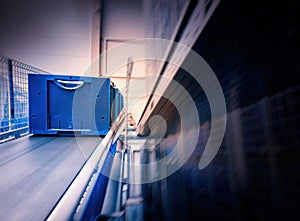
{"type": "Point", "coordinates": [251, 46]}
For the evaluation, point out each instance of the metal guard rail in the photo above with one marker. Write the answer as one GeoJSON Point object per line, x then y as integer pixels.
{"type": "Point", "coordinates": [14, 97]}
{"type": "Point", "coordinates": [73, 204]}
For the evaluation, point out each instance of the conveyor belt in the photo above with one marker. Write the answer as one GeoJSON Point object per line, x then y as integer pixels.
{"type": "Point", "coordinates": [35, 172]}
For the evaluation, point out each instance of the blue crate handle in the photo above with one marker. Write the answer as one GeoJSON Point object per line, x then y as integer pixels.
{"type": "Point", "coordinates": [60, 83]}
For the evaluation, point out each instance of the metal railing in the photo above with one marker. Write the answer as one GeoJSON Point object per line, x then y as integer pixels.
{"type": "Point", "coordinates": [14, 97]}
{"type": "Point", "coordinates": [75, 203]}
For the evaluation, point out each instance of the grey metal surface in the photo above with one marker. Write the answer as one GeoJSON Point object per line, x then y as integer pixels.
{"type": "Point", "coordinates": [36, 171]}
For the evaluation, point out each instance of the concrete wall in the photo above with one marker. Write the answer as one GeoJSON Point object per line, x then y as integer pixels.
{"type": "Point", "coordinates": [51, 35]}
{"type": "Point", "coordinates": [122, 23]}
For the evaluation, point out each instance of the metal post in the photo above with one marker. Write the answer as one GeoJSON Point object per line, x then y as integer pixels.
{"type": "Point", "coordinates": [128, 76]}
{"type": "Point", "coordinates": [120, 189]}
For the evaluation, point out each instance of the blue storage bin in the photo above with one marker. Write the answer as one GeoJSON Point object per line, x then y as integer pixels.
{"type": "Point", "coordinates": [116, 103]}
{"type": "Point", "coordinates": [112, 104]}
{"type": "Point", "coordinates": [121, 102]}
{"type": "Point", "coordinates": [61, 104]}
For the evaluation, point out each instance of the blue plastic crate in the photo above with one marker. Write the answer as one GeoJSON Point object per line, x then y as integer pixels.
{"type": "Point", "coordinates": [61, 104]}
{"type": "Point", "coordinates": [112, 104]}
{"type": "Point", "coordinates": [116, 103]}
{"type": "Point", "coordinates": [121, 102]}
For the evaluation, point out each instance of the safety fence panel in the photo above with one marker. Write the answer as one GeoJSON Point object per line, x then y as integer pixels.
{"type": "Point", "coordinates": [14, 97]}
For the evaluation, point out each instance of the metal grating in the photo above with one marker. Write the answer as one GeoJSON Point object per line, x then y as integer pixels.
{"type": "Point", "coordinates": [14, 98]}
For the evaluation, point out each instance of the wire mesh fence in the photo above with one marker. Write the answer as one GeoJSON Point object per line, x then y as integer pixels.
{"type": "Point", "coordinates": [14, 97]}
